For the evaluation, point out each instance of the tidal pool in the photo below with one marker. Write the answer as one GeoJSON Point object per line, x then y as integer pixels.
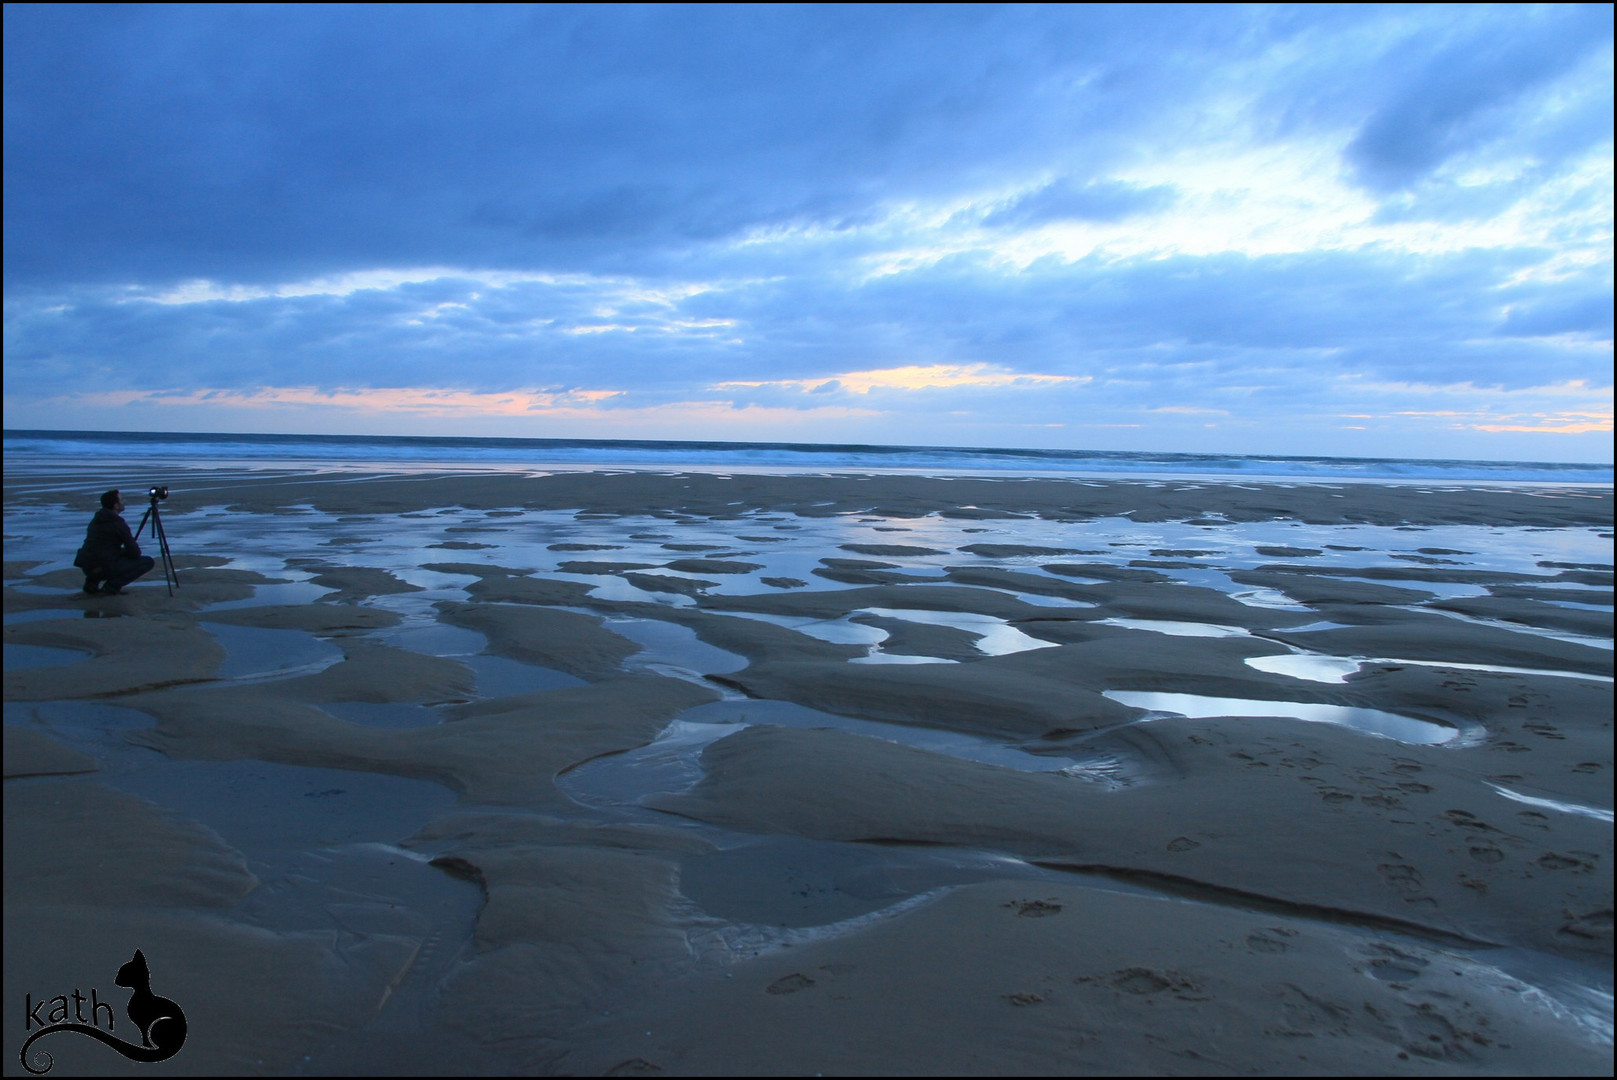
{"type": "Point", "coordinates": [1177, 629]}
{"type": "Point", "coordinates": [1370, 721]}
{"type": "Point", "coordinates": [996, 637]}
{"type": "Point", "coordinates": [254, 652]}
{"type": "Point", "coordinates": [1337, 669]}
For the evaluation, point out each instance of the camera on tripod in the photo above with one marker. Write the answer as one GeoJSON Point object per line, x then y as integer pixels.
{"type": "Point", "coordinates": [156, 493]}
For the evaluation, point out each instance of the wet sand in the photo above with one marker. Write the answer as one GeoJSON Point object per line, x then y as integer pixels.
{"type": "Point", "coordinates": [624, 772]}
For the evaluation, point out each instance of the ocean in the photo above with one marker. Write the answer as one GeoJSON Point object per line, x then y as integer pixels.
{"type": "Point", "coordinates": [36, 448]}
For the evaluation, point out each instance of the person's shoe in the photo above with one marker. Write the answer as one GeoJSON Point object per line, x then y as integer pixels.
{"type": "Point", "coordinates": [91, 586]}
{"type": "Point", "coordinates": [109, 589]}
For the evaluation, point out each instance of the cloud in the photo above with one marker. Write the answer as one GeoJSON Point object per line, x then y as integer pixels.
{"type": "Point", "coordinates": [1062, 200]}
{"type": "Point", "coordinates": [1236, 216]}
{"type": "Point", "coordinates": [246, 143]}
{"type": "Point", "coordinates": [1462, 94]}
{"type": "Point", "coordinates": [1589, 314]}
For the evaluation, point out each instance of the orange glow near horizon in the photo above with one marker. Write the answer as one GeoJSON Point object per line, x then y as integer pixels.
{"type": "Point", "coordinates": [1564, 428]}
{"type": "Point", "coordinates": [425, 400]}
{"type": "Point", "coordinates": [435, 403]}
{"type": "Point", "coordinates": [910, 377]}
{"type": "Point", "coordinates": [1545, 423]}
{"type": "Point", "coordinates": [618, 409]}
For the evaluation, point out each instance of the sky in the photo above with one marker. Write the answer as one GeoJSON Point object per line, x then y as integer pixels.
{"type": "Point", "coordinates": [1358, 231]}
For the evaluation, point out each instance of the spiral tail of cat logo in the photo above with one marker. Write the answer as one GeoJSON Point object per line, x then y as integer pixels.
{"type": "Point", "coordinates": [167, 1036]}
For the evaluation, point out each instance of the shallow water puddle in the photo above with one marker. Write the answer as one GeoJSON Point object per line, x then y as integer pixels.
{"type": "Point", "coordinates": [996, 637]}
{"type": "Point", "coordinates": [499, 677]}
{"type": "Point", "coordinates": [1268, 598]}
{"type": "Point", "coordinates": [292, 592]}
{"type": "Point", "coordinates": [1523, 628]}
{"type": "Point", "coordinates": [668, 764]}
{"type": "Point", "coordinates": [261, 806]}
{"type": "Point", "coordinates": [793, 882]}
{"type": "Point", "coordinates": [96, 728]}
{"type": "Point", "coordinates": [613, 587]}
{"type": "Point", "coordinates": [41, 615]}
{"type": "Point", "coordinates": [384, 714]}
{"type": "Point", "coordinates": [877, 656]}
{"type": "Point", "coordinates": [672, 762]}
{"type": "Point", "coordinates": [1307, 666]}
{"type": "Point", "coordinates": [22, 657]}
{"type": "Point", "coordinates": [322, 843]}
{"type": "Point", "coordinates": [1177, 629]}
{"type": "Point", "coordinates": [1040, 599]}
{"type": "Point", "coordinates": [1370, 721]}
{"type": "Point", "coordinates": [1107, 770]}
{"type": "Point", "coordinates": [252, 651]}
{"type": "Point", "coordinates": [1337, 669]}
{"type": "Point", "coordinates": [1447, 590]}
{"type": "Point", "coordinates": [1067, 579]}
{"type": "Point", "coordinates": [438, 639]}
{"type": "Point", "coordinates": [666, 645]}
{"type": "Point", "coordinates": [36, 590]}
{"type": "Point", "coordinates": [837, 631]}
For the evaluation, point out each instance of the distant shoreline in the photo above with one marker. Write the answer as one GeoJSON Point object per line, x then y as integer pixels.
{"type": "Point", "coordinates": [394, 451]}
{"type": "Point", "coordinates": [815, 494]}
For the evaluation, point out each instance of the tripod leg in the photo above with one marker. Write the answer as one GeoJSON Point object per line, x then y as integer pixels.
{"type": "Point", "coordinates": [170, 576]}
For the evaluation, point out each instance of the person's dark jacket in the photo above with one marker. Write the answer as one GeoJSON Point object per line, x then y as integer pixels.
{"type": "Point", "coordinates": [107, 540]}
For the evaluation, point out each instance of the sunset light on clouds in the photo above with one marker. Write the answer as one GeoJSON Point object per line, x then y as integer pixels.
{"type": "Point", "coordinates": [1356, 231]}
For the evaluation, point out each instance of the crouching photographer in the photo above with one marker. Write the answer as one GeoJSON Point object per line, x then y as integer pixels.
{"type": "Point", "coordinates": [110, 558]}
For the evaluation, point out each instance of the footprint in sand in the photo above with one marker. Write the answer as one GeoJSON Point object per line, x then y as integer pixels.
{"type": "Point", "coordinates": [1430, 1034]}
{"type": "Point", "coordinates": [1034, 909]}
{"type": "Point", "coordinates": [1534, 819]}
{"type": "Point", "coordinates": [1487, 853]}
{"type": "Point", "coordinates": [1467, 820]}
{"type": "Point", "coordinates": [1144, 980]}
{"type": "Point", "coordinates": [1141, 981]}
{"type": "Point", "coordinates": [789, 984]}
{"type": "Point", "coordinates": [1395, 965]}
{"type": "Point", "coordinates": [1593, 925]}
{"type": "Point", "coordinates": [1406, 881]}
{"type": "Point", "coordinates": [1023, 999]}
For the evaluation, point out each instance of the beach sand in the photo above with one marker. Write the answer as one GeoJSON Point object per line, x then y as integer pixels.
{"type": "Point", "coordinates": [637, 772]}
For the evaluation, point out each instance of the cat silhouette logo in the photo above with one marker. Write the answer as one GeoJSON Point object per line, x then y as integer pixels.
{"type": "Point", "coordinates": [161, 1022]}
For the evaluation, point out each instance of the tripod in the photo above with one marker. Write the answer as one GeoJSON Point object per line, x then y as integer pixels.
{"type": "Point", "coordinates": [170, 576]}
